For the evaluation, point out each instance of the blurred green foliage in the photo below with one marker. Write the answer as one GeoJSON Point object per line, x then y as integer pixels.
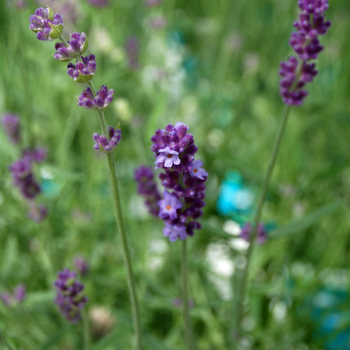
{"type": "Point", "coordinates": [214, 67]}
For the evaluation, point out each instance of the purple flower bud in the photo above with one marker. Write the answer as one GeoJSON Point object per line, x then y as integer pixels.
{"type": "Point", "coordinates": [10, 123]}
{"type": "Point", "coordinates": [101, 101]}
{"type": "Point", "coordinates": [83, 72]}
{"type": "Point", "coordinates": [77, 45]}
{"type": "Point", "coordinates": [261, 235]}
{"type": "Point", "coordinates": [104, 145]}
{"type": "Point", "coordinates": [81, 265]}
{"type": "Point", "coordinates": [46, 24]}
{"type": "Point", "coordinates": [70, 297]}
{"type": "Point", "coordinates": [148, 188]}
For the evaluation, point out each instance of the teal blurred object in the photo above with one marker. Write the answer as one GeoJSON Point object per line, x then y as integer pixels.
{"type": "Point", "coordinates": [331, 316]}
{"type": "Point", "coordinates": [50, 188]}
{"type": "Point", "coordinates": [236, 199]}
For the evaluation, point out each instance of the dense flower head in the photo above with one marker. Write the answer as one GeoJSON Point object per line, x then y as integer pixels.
{"type": "Point", "coordinates": [107, 145]}
{"type": "Point", "coordinates": [77, 45]}
{"type": "Point", "coordinates": [297, 70]}
{"type": "Point", "coordinates": [70, 296]}
{"type": "Point", "coordinates": [147, 188]}
{"type": "Point", "coordinates": [101, 101]}
{"type": "Point", "coordinates": [10, 124]}
{"type": "Point", "coordinates": [46, 24]}
{"type": "Point", "coordinates": [18, 296]}
{"type": "Point", "coordinates": [84, 71]}
{"type": "Point", "coordinates": [174, 150]}
{"type": "Point", "coordinates": [261, 233]}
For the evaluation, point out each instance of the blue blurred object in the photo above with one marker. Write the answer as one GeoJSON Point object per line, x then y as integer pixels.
{"type": "Point", "coordinates": [235, 199]}
{"type": "Point", "coordinates": [331, 316]}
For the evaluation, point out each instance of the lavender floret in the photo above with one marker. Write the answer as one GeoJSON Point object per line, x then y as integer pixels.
{"type": "Point", "coordinates": [70, 297]}
{"type": "Point", "coordinates": [101, 101]}
{"type": "Point", "coordinates": [168, 206]}
{"type": "Point", "coordinates": [46, 24]}
{"type": "Point", "coordinates": [10, 124]}
{"type": "Point", "coordinates": [83, 72]}
{"type": "Point", "coordinates": [297, 70]}
{"type": "Point", "coordinates": [148, 188]}
{"type": "Point", "coordinates": [261, 234]}
{"type": "Point", "coordinates": [77, 45]}
{"type": "Point", "coordinates": [103, 144]}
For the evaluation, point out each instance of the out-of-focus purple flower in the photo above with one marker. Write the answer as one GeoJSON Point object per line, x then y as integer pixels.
{"type": "Point", "coordinates": [37, 212]}
{"type": "Point", "coordinates": [6, 298]}
{"type": "Point", "coordinates": [77, 45]}
{"type": "Point", "coordinates": [132, 49]}
{"type": "Point", "coordinates": [178, 302]}
{"type": "Point", "coordinates": [20, 4]}
{"type": "Point", "coordinates": [23, 178]}
{"type": "Point", "coordinates": [261, 234]}
{"type": "Point", "coordinates": [297, 70]}
{"type": "Point", "coordinates": [99, 3]}
{"type": "Point", "coordinates": [148, 188]}
{"type": "Point", "coordinates": [81, 265]}
{"type": "Point", "coordinates": [20, 293]}
{"type": "Point", "coordinates": [104, 145]}
{"type": "Point", "coordinates": [46, 24]}
{"type": "Point", "coordinates": [101, 101]}
{"type": "Point", "coordinates": [83, 72]}
{"type": "Point", "coordinates": [10, 124]}
{"type": "Point", "coordinates": [67, 8]}
{"type": "Point", "coordinates": [70, 297]}
{"type": "Point", "coordinates": [37, 155]}
{"type": "Point", "coordinates": [157, 22]}
{"type": "Point", "coordinates": [167, 158]}
{"type": "Point", "coordinates": [175, 231]}
{"type": "Point", "coordinates": [184, 176]}
{"type": "Point", "coordinates": [168, 206]}
{"type": "Point", "coordinates": [152, 3]}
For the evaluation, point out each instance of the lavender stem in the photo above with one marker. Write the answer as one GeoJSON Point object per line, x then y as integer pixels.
{"type": "Point", "coordinates": [86, 331]}
{"type": "Point", "coordinates": [260, 206]}
{"type": "Point", "coordinates": [186, 314]}
{"type": "Point", "coordinates": [119, 219]}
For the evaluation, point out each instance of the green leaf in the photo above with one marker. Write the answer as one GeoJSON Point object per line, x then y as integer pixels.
{"type": "Point", "coordinates": [301, 224]}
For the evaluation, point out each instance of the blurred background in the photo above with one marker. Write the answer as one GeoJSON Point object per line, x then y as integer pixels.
{"type": "Point", "coordinates": [212, 65]}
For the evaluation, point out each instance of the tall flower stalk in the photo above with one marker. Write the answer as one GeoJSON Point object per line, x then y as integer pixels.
{"type": "Point", "coordinates": [49, 26]}
{"type": "Point", "coordinates": [296, 72]}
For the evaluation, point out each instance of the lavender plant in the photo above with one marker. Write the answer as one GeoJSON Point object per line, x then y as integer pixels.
{"type": "Point", "coordinates": [49, 26]}
{"type": "Point", "coordinates": [296, 72]}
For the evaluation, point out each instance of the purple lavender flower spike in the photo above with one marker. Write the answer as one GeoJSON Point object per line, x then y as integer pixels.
{"type": "Point", "coordinates": [148, 188]}
{"type": "Point", "coordinates": [37, 212]}
{"type": "Point", "coordinates": [83, 71]}
{"type": "Point", "coordinates": [20, 293]}
{"type": "Point", "coordinates": [70, 297]}
{"type": "Point", "coordinates": [168, 206]}
{"type": "Point", "coordinates": [297, 70]}
{"type": "Point", "coordinates": [175, 231]}
{"type": "Point", "coordinates": [77, 45]}
{"type": "Point", "coordinates": [101, 101]}
{"type": "Point", "coordinates": [81, 265]}
{"type": "Point", "coordinates": [104, 145]}
{"type": "Point", "coordinates": [167, 158]}
{"type": "Point", "coordinates": [10, 123]}
{"type": "Point", "coordinates": [132, 49]}
{"type": "Point", "coordinates": [261, 232]}
{"type": "Point", "coordinates": [46, 24]}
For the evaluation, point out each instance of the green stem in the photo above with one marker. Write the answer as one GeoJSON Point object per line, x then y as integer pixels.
{"type": "Point", "coordinates": [64, 41]}
{"type": "Point", "coordinates": [119, 219]}
{"type": "Point", "coordinates": [186, 313]}
{"type": "Point", "coordinates": [5, 342]}
{"type": "Point", "coordinates": [86, 333]}
{"type": "Point", "coordinates": [260, 206]}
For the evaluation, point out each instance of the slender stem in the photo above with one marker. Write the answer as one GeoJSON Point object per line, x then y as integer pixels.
{"type": "Point", "coordinates": [86, 333]}
{"type": "Point", "coordinates": [5, 342]}
{"type": "Point", "coordinates": [260, 206]}
{"type": "Point", "coordinates": [186, 313]}
{"type": "Point", "coordinates": [64, 40]}
{"type": "Point", "coordinates": [119, 219]}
